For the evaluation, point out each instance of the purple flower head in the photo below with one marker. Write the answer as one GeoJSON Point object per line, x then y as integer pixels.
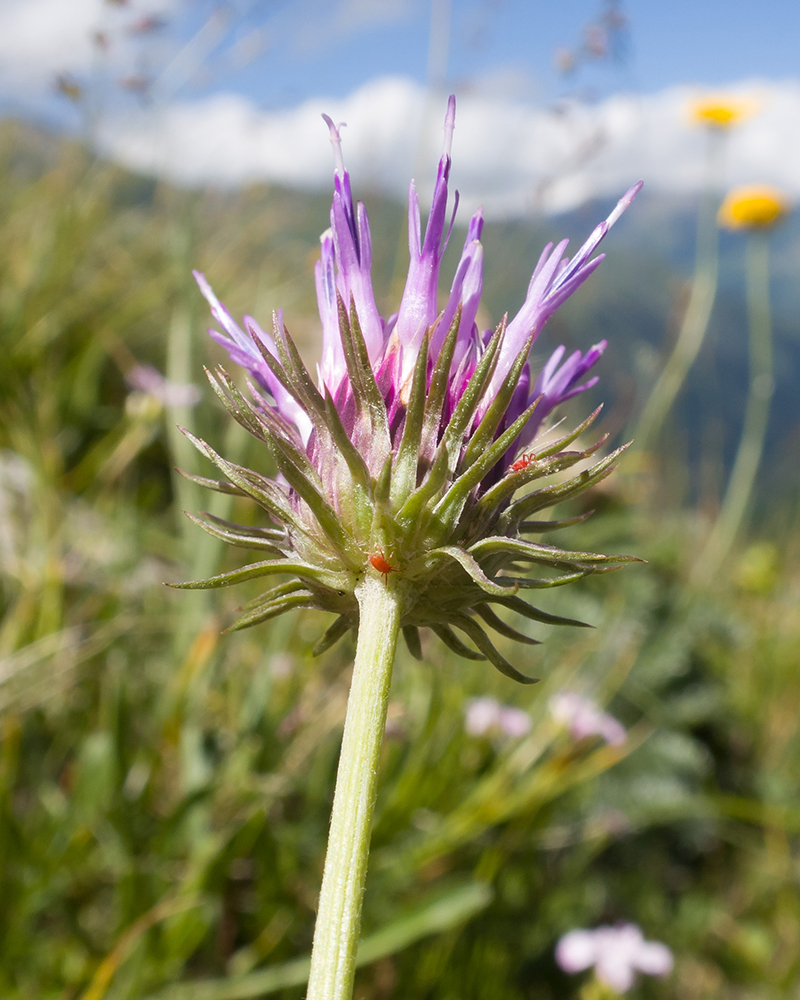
{"type": "Point", "coordinates": [343, 273]}
{"type": "Point", "coordinates": [399, 453]}
{"type": "Point", "coordinates": [583, 718]}
{"type": "Point", "coordinates": [617, 953]}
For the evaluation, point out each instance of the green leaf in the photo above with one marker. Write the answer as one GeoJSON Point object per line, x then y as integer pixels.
{"type": "Point", "coordinates": [300, 386]}
{"type": "Point", "coordinates": [437, 391]}
{"type": "Point", "coordinates": [264, 492]}
{"type": "Point", "coordinates": [534, 614]}
{"type": "Point", "coordinates": [486, 429]}
{"type": "Point", "coordinates": [449, 508]}
{"type": "Point", "coordinates": [273, 610]}
{"type": "Point", "coordinates": [561, 443]}
{"type": "Point", "coordinates": [383, 488]}
{"type": "Point", "coordinates": [292, 587]}
{"type": "Point", "coordinates": [304, 384]}
{"type": "Point", "coordinates": [329, 638]}
{"type": "Point", "coordinates": [239, 413]}
{"type": "Point", "coordinates": [451, 640]}
{"type": "Point", "coordinates": [543, 527]}
{"type": "Point", "coordinates": [546, 583]}
{"type": "Point", "coordinates": [470, 566]}
{"type": "Point", "coordinates": [404, 475]}
{"type": "Point", "coordinates": [213, 484]}
{"type": "Point", "coordinates": [467, 405]}
{"type": "Point", "coordinates": [537, 469]}
{"type": "Point", "coordinates": [266, 568]}
{"type": "Point", "coordinates": [348, 450]}
{"type": "Point", "coordinates": [368, 398]}
{"type": "Point", "coordinates": [240, 538]}
{"type": "Point", "coordinates": [484, 644]}
{"type": "Point", "coordinates": [273, 534]}
{"type": "Point", "coordinates": [433, 482]}
{"type": "Point", "coordinates": [326, 516]}
{"type": "Point", "coordinates": [547, 555]}
{"type": "Point", "coordinates": [559, 492]}
{"type": "Point", "coordinates": [294, 377]}
{"type": "Point", "coordinates": [269, 425]}
{"type": "Point", "coordinates": [500, 626]}
{"type": "Point", "coordinates": [411, 636]}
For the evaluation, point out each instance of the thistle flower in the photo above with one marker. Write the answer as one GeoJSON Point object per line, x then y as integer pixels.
{"type": "Point", "coordinates": [401, 461]}
{"type": "Point", "coordinates": [616, 952]}
{"type": "Point", "coordinates": [757, 206]}
{"type": "Point", "coordinates": [397, 503]}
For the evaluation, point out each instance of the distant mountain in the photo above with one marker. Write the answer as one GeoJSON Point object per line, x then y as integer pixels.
{"type": "Point", "coordinates": [635, 300]}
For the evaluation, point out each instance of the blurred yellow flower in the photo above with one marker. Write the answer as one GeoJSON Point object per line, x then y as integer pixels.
{"type": "Point", "coordinates": [753, 207]}
{"type": "Point", "coordinates": [721, 112]}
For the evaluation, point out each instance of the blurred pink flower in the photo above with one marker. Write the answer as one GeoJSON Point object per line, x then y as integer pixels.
{"type": "Point", "coordinates": [513, 721]}
{"type": "Point", "coordinates": [485, 714]}
{"type": "Point", "coordinates": [616, 953]}
{"type": "Point", "coordinates": [148, 379]}
{"type": "Point", "coordinates": [583, 718]}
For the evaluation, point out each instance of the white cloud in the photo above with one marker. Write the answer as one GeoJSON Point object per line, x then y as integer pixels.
{"type": "Point", "coordinates": [511, 156]}
{"type": "Point", "coordinates": [40, 38]}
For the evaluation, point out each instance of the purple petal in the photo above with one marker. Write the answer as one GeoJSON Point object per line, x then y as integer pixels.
{"type": "Point", "coordinates": [418, 308]}
{"type": "Point", "coordinates": [480, 716]}
{"type": "Point", "coordinates": [285, 404]}
{"type": "Point", "coordinates": [654, 958]}
{"type": "Point", "coordinates": [576, 951]}
{"type": "Point", "coordinates": [552, 283]}
{"type": "Point", "coordinates": [353, 253]}
{"type": "Point", "coordinates": [465, 291]}
{"type": "Point", "coordinates": [332, 365]}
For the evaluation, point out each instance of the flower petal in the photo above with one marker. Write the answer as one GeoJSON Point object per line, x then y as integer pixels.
{"type": "Point", "coordinates": [577, 951]}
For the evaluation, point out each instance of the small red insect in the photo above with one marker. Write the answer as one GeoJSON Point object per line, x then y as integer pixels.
{"type": "Point", "coordinates": [522, 462]}
{"type": "Point", "coordinates": [379, 562]}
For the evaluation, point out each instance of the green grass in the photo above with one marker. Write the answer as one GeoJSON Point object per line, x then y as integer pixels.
{"type": "Point", "coordinates": [165, 790]}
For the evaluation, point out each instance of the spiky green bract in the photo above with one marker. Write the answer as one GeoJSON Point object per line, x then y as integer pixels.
{"type": "Point", "coordinates": [420, 499]}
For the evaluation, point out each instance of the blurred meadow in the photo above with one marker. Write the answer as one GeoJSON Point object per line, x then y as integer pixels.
{"type": "Point", "coordinates": [165, 790]}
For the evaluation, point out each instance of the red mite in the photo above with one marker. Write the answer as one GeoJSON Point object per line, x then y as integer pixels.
{"type": "Point", "coordinates": [382, 565]}
{"type": "Point", "coordinates": [522, 462]}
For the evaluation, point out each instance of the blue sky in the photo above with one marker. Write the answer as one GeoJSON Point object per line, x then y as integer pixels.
{"type": "Point", "coordinates": [279, 52]}
{"type": "Point", "coordinates": [319, 47]}
{"type": "Point", "coordinates": [231, 93]}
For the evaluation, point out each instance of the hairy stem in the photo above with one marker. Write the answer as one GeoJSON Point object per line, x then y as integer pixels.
{"type": "Point", "coordinates": [339, 913]}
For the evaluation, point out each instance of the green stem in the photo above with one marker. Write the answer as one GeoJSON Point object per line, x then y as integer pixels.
{"type": "Point", "coordinates": [698, 311]}
{"type": "Point", "coordinates": [759, 398]}
{"type": "Point", "coordinates": [339, 914]}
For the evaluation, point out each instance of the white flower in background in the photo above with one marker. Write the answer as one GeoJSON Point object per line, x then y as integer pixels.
{"type": "Point", "coordinates": [485, 714]}
{"type": "Point", "coordinates": [617, 954]}
{"type": "Point", "coordinates": [583, 718]}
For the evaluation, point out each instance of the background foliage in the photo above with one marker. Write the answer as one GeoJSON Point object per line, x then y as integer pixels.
{"type": "Point", "coordinates": [165, 791]}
